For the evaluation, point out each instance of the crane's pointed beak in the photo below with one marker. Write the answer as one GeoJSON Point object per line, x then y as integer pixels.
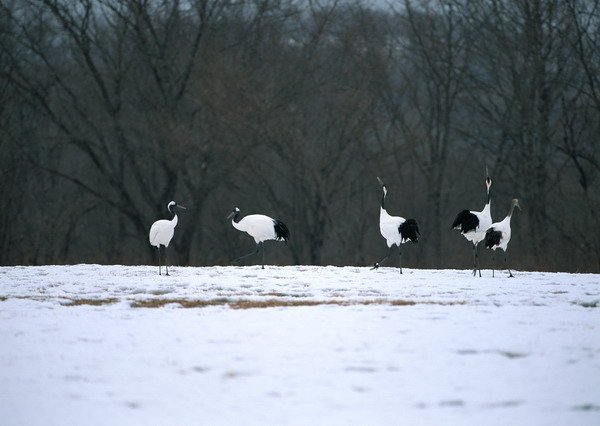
{"type": "Point", "coordinates": [230, 215]}
{"type": "Point", "coordinates": [181, 207]}
{"type": "Point", "coordinates": [380, 181]}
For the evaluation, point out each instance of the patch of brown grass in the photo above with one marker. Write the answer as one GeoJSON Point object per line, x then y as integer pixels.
{"type": "Point", "coordinates": [447, 303]}
{"type": "Point", "coordinates": [92, 302]}
{"type": "Point", "coordinates": [400, 302]}
{"type": "Point", "coordinates": [276, 303]}
{"type": "Point", "coordinates": [185, 303]}
{"type": "Point", "coordinates": [275, 294]}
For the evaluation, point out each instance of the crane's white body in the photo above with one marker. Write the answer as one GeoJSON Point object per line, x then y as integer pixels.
{"type": "Point", "coordinates": [504, 228]}
{"type": "Point", "coordinates": [476, 234]}
{"type": "Point", "coordinates": [501, 230]}
{"type": "Point", "coordinates": [485, 221]}
{"type": "Point", "coordinates": [258, 226]}
{"type": "Point", "coordinates": [162, 231]}
{"type": "Point", "coordinates": [389, 228]}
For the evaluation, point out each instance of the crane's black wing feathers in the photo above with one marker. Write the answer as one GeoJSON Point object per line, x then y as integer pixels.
{"type": "Point", "coordinates": [466, 222]}
{"type": "Point", "coordinates": [409, 230]}
{"type": "Point", "coordinates": [492, 238]}
{"type": "Point", "coordinates": [281, 231]}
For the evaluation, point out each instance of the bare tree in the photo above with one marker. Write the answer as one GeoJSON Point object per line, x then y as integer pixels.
{"type": "Point", "coordinates": [433, 63]}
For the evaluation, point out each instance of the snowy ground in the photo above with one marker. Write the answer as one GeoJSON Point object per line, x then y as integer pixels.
{"type": "Point", "coordinates": [90, 344]}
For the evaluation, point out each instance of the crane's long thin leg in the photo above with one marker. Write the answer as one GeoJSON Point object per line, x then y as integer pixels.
{"type": "Point", "coordinates": [263, 256]}
{"type": "Point", "coordinates": [474, 259]}
{"type": "Point", "coordinates": [493, 262]}
{"type": "Point", "coordinates": [383, 260]}
{"type": "Point", "coordinates": [249, 254]}
{"type": "Point", "coordinates": [158, 247]}
{"type": "Point", "coordinates": [477, 260]}
{"type": "Point", "coordinates": [510, 275]}
{"type": "Point", "coordinates": [166, 264]}
{"type": "Point", "coordinates": [400, 250]}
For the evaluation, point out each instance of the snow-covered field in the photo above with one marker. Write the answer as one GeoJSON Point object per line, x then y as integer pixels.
{"type": "Point", "coordinates": [90, 344]}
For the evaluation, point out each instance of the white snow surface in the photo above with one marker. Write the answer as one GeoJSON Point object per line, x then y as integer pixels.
{"type": "Point", "coordinates": [337, 346]}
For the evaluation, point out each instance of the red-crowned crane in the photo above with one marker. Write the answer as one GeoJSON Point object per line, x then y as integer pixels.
{"type": "Point", "coordinates": [395, 229]}
{"type": "Point", "coordinates": [473, 225]}
{"type": "Point", "coordinates": [261, 228]}
{"type": "Point", "coordinates": [162, 231]}
{"type": "Point", "coordinates": [498, 235]}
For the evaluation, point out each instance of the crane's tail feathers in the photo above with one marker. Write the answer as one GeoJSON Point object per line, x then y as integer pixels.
{"type": "Point", "coordinates": [465, 221]}
{"type": "Point", "coordinates": [281, 231]}
{"type": "Point", "coordinates": [492, 238]}
{"type": "Point", "coordinates": [409, 230]}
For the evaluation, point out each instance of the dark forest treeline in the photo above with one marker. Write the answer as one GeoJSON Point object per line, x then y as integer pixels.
{"type": "Point", "coordinates": [109, 109]}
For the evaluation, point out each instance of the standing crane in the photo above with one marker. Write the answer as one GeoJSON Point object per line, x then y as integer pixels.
{"type": "Point", "coordinates": [395, 229]}
{"type": "Point", "coordinates": [473, 224]}
{"type": "Point", "coordinates": [161, 233]}
{"type": "Point", "coordinates": [498, 235]}
{"type": "Point", "coordinates": [261, 228]}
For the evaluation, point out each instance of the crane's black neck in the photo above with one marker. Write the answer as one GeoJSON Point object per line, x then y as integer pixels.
{"type": "Point", "coordinates": [383, 197]}
{"type": "Point", "coordinates": [172, 212]}
{"type": "Point", "coordinates": [236, 216]}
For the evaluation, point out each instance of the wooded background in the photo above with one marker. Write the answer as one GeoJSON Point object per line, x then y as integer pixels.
{"type": "Point", "coordinates": [109, 109]}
